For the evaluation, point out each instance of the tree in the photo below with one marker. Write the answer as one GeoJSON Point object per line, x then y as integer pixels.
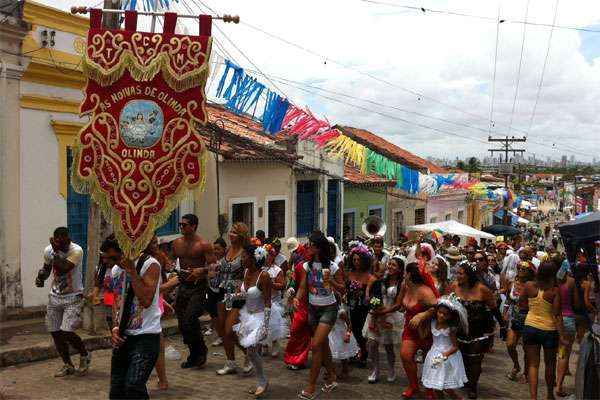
{"type": "Point", "coordinates": [473, 165]}
{"type": "Point", "coordinates": [461, 165]}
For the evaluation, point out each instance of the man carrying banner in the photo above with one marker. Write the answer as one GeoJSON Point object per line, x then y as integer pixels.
{"type": "Point", "coordinates": [194, 255]}
{"type": "Point", "coordinates": [62, 259]}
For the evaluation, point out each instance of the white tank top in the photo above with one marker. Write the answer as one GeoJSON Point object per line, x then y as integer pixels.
{"type": "Point", "coordinates": [254, 297]}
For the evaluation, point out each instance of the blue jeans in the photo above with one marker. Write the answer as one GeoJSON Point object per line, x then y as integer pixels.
{"type": "Point", "coordinates": [131, 365]}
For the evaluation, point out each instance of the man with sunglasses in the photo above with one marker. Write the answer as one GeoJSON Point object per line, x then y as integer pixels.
{"type": "Point", "coordinates": [194, 256]}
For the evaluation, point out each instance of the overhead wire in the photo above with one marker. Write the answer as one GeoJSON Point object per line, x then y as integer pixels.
{"type": "Point", "coordinates": [512, 113]}
{"type": "Point", "coordinates": [493, 95]}
{"type": "Point", "coordinates": [539, 89]}
{"type": "Point", "coordinates": [481, 17]}
{"type": "Point", "coordinates": [237, 48]}
{"type": "Point", "coordinates": [290, 83]}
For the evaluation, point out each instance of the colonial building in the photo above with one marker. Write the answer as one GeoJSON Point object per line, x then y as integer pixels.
{"type": "Point", "coordinates": [284, 188]}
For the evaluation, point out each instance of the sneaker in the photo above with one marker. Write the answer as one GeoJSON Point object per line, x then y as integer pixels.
{"type": "Point", "coordinates": [374, 377]}
{"type": "Point", "coordinates": [229, 368]}
{"type": "Point", "coordinates": [217, 342]}
{"type": "Point", "coordinates": [208, 332]}
{"type": "Point", "coordinates": [248, 366]}
{"type": "Point", "coordinates": [84, 364]}
{"type": "Point", "coordinates": [64, 371]}
{"type": "Point", "coordinates": [391, 377]}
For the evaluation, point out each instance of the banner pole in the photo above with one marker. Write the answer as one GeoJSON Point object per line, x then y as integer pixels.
{"type": "Point", "coordinates": [97, 227]}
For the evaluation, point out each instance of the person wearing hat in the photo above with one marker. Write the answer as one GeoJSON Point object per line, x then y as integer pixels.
{"type": "Point", "coordinates": [453, 257]}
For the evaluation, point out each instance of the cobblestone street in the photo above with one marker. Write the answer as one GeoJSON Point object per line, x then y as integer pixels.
{"type": "Point", "coordinates": [35, 381]}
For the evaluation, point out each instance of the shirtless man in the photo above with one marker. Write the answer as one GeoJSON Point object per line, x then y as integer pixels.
{"type": "Point", "coordinates": [194, 255]}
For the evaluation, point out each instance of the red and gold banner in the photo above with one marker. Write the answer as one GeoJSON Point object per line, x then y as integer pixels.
{"type": "Point", "coordinates": [141, 150]}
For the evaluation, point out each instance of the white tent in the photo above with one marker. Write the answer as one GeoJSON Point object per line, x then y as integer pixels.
{"type": "Point", "coordinates": [452, 228]}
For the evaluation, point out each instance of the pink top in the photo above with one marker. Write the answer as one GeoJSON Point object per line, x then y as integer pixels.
{"type": "Point", "coordinates": [565, 301]}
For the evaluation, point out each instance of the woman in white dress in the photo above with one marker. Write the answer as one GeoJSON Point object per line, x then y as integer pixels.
{"type": "Point", "coordinates": [443, 368]}
{"type": "Point", "coordinates": [252, 330]}
{"type": "Point", "coordinates": [385, 329]}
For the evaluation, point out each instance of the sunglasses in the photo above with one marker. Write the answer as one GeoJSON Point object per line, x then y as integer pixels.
{"type": "Point", "coordinates": [183, 224]}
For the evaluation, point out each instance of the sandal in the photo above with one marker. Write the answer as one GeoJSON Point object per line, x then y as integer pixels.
{"type": "Point", "coordinates": [308, 396]}
{"type": "Point", "coordinates": [328, 388]}
{"type": "Point", "coordinates": [561, 393]}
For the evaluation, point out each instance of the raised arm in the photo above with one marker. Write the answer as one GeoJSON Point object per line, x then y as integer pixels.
{"type": "Point", "coordinates": [144, 287]}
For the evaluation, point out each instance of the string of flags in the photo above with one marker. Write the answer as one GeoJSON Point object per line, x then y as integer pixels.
{"type": "Point", "coordinates": [242, 93]}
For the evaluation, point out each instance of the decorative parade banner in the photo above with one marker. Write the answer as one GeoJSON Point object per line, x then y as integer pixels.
{"type": "Point", "coordinates": [141, 150]}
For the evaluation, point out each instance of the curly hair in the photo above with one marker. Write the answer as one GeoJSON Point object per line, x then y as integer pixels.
{"type": "Point", "coordinates": [365, 261]}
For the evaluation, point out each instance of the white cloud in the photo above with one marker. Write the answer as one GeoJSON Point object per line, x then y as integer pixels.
{"type": "Point", "coordinates": [449, 58]}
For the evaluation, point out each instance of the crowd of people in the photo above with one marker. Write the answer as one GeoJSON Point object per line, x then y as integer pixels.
{"type": "Point", "coordinates": [438, 303]}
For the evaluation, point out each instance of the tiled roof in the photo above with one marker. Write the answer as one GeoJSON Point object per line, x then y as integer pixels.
{"type": "Point", "coordinates": [241, 137]}
{"type": "Point", "coordinates": [353, 175]}
{"type": "Point", "coordinates": [390, 150]}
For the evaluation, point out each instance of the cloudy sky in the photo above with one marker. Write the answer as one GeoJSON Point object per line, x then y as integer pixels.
{"type": "Point", "coordinates": [424, 80]}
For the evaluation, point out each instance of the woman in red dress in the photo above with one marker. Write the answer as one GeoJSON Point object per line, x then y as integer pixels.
{"type": "Point", "coordinates": [298, 345]}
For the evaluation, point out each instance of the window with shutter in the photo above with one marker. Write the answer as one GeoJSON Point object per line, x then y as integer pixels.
{"type": "Point", "coordinates": [419, 216]}
{"type": "Point", "coordinates": [306, 207]}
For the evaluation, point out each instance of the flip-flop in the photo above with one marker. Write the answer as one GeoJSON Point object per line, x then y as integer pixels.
{"type": "Point", "coordinates": [328, 388]}
{"type": "Point", "coordinates": [307, 396]}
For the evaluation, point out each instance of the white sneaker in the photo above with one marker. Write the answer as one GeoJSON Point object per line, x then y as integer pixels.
{"type": "Point", "coordinates": [84, 364]}
{"type": "Point", "coordinates": [374, 377]}
{"type": "Point", "coordinates": [391, 376]}
{"type": "Point", "coordinates": [229, 368]}
{"type": "Point", "coordinates": [217, 342]}
{"type": "Point", "coordinates": [208, 332]}
{"type": "Point", "coordinates": [64, 371]}
{"type": "Point", "coordinates": [248, 367]}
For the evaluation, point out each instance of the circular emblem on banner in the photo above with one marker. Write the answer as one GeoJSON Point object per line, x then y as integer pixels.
{"type": "Point", "coordinates": [141, 123]}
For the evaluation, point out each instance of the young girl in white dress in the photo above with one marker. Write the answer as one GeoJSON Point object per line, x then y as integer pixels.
{"type": "Point", "coordinates": [253, 328]}
{"type": "Point", "coordinates": [443, 368]}
{"type": "Point", "coordinates": [342, 342]}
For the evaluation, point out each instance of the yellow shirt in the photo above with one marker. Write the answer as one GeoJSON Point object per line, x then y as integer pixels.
{"type": "Point", "coordinates": [540, 314]}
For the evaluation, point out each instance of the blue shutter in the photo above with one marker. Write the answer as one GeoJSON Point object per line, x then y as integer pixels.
{"type": "Point", "coordinates": [306, 207]}
{"type": "Point", "coordinates": [332, 207]}
{"type": "Point", "coordinates": [171, 225]}
{"type": "Point", "coordinates": [77, 213]}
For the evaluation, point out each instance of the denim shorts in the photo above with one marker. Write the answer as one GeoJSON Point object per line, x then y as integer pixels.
{"type": "Point", "coordinates": [570, 326]}
{"type": "Point", "coordinates": [322, 315]}
{"type": "Point", "coordinates": [535, 336]}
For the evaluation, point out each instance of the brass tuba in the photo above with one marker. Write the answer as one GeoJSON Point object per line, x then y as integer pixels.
{"type": "Point", "coordinates": [374, 226]}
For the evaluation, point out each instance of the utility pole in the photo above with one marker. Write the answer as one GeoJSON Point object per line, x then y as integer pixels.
{"type": "Point", "coordinates": [506, 148]}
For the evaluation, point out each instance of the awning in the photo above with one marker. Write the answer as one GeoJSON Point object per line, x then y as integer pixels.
{"type": "Point", "coordinates": [452, 228]}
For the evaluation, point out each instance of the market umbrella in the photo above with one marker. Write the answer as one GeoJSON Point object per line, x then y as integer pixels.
{"type": "Point", "coordinates": [581, 233]}
{"type": "Point", "coordinates": [501, 230]}
{"type": "Point", "coordinates": [453, 228]}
